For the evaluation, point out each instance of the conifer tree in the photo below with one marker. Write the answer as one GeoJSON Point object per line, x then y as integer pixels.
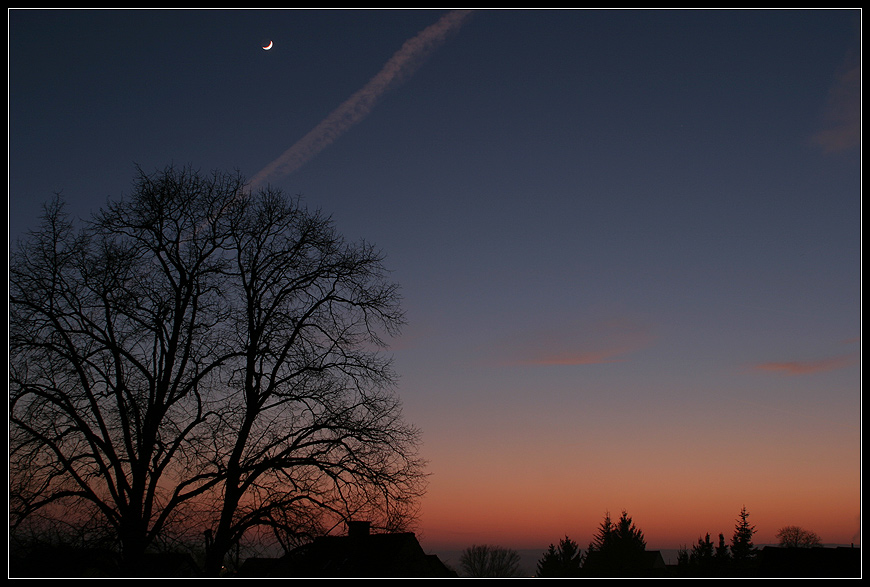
{"type": "Point", "coordinates": [683, 556]}
{"type": "Point", "coordinates": [628, 535]}
{"type": "Point", "coordinates": [604, 536]}
{"type": "Point", "coordinates": [702, 553]}
{"type": "Point", "coordinates": [616, 548]}
{"type": "Point", "coordinates": [742, 549]}
{"type": "Point", "coordinates": [564, 561]}
{"type": "Point", "coordinates": [723, 557]}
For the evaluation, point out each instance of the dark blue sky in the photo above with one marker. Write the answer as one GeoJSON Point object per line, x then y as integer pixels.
{"type": "Point", "coordinates": [640, 224]}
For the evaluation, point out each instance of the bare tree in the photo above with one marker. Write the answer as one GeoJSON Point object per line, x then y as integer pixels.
{"type": "Point", "coordinates": [311, 421]}
{"type": "Point", "coordinates": [490, 561]}
{"type": "Point", "coordinates": [797, 537]}
{"type": "Point", "coordinates": [111, 342]}
{"type": "Point", "coordinates": [199, 357]}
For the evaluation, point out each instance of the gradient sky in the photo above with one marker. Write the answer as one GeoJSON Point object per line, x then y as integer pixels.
{"type": "Point", "coordinates": [629, 242]}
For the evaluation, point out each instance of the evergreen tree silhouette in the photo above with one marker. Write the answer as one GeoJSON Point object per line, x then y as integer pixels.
{"type": "Point", "coordinates": [702, 553]}
{"type": "Point", "coordinates": [604, 536]}
{"type": "Point", "coordinates": [742, 549]}
{"type": "Point", "coordinates": [564, 561]}
{"type": "Point", "coordinates": [616, 548]}
{"type": "Point", "coordinates": [723, 557]}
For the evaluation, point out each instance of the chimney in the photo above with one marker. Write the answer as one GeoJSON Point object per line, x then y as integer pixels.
{"type": "Point", "coordinates": [356, 529]}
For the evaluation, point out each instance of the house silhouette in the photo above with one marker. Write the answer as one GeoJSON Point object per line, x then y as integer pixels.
{"type": "Point", "coordinates": [360, 553]}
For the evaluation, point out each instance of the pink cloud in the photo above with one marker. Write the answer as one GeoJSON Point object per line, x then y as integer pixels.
{"type": "Point", "coordinates": [580, 357]}
{"type": "Point", "coordinates": [583, 344]}
{"type": "Point", "coordinates": [843, 112]}
{"type": "Point", "coordinates": [809, 367]}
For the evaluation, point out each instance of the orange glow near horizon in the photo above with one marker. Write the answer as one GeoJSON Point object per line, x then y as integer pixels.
{"type": "Point", "coordinates": [525, 518]}
{"type": "Point", "coordinates": [531, 484]}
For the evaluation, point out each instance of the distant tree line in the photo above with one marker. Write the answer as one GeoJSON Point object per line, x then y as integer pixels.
{"type": "Point", "coordinates": [618, 548]}
{"type": "Point", "coordinates": [707, 558]}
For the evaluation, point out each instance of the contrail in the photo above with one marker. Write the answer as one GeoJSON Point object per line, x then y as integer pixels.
{"type": "Point", "coordinates": [399, 68]}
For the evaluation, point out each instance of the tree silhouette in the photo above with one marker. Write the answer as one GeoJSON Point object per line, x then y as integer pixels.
{"type": "Point", "coordinates": [722, 556]}
{"type": "Point", "coordinates": [742, 549]}
{"type": "Point", "coordinates": [199, 357]}
{"type": "Point", "coordinates": [683, 556]}
{"type": "Point", "coordinates": [603, 536]}
{"type": "Point", "coordinates": [489, 561]}
{"type": "Point", "coordinates": [562, 561]}
{"type": "Point", "coordinates": [616, 547]}
{"type": "Point", "coordinates": [797, 537]}
{"type": "Point", "coordinates": [704, 559]}
{"type": "Point", "coordinates": [702, 553]}
{"type": "Point", "coordinates": [628, 536]}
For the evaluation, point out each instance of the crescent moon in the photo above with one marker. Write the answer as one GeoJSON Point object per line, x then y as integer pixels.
{"type": "Point", "coordinates": [267, 47]}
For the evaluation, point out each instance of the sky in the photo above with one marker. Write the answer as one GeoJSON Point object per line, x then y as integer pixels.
{"type": "Point", "coordinates": [629, 242]}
